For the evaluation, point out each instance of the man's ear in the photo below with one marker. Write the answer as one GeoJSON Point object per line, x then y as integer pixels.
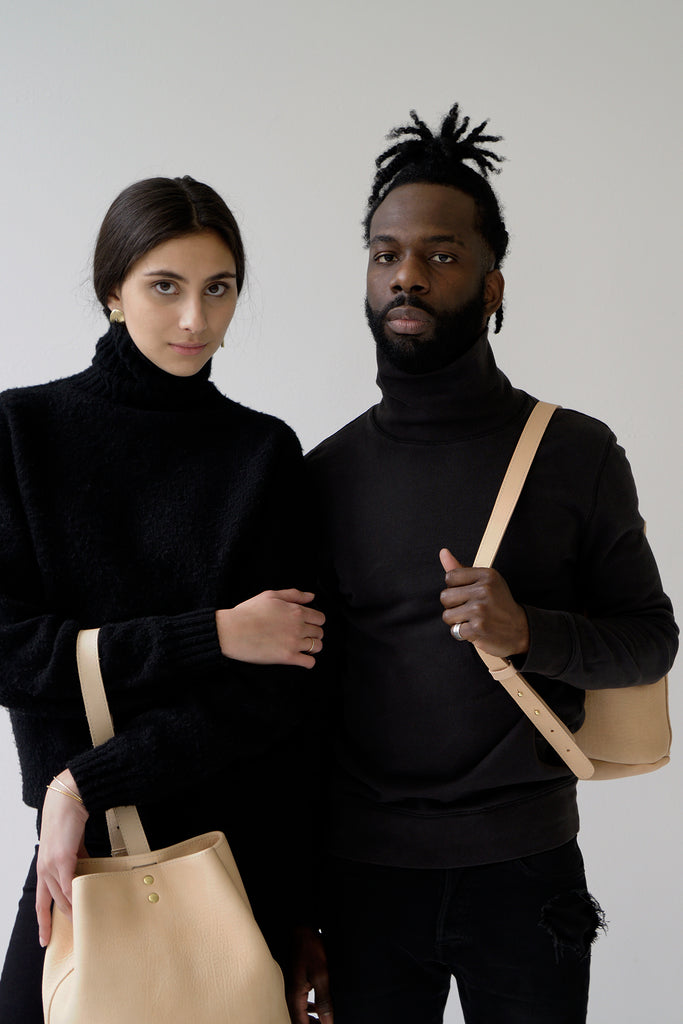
{"type": "Point", "coordinates": [494, 286]}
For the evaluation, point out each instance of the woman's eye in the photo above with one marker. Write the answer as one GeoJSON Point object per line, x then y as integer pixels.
{"type": "Point", "coordinates": [217, 288]}
{"type": "Point", "coordinates": [165, 287]}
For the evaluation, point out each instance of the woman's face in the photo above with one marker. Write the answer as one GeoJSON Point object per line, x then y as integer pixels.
{"type": "Point", "coordinates": [178, 301]}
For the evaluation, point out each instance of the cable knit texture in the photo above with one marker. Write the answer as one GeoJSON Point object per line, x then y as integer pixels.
{"type": "Point", "coordinates": [436, 765]}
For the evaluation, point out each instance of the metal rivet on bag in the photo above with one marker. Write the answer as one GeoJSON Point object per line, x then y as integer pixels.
{"type": "Point", "coordinates": [536, 711]}
{"type": "Point", "coordinates": [148, 879]}
{"type": "Point", "coordinates": [519, 693]}
{"type": "Point", "coordinates": [153, 897]}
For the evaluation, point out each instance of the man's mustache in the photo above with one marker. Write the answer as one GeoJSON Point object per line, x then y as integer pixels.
{"type": "Point", "coordinates": [405, 300]}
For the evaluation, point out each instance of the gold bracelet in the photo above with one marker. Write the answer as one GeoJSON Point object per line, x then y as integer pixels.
{"type": "Point", "coordinates": [65, 792]}
{"type": "Point", "coordinates": [67, 788]}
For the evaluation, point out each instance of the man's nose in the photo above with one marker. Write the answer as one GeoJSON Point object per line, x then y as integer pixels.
{"type": "Point", "coordinates": [410, 276]}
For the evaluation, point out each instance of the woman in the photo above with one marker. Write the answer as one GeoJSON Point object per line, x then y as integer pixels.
{"type": "Point", "coordinates": [135, 497]}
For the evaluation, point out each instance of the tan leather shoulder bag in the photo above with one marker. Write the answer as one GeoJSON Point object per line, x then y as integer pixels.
{"type": "Point", "coordinates": [157, 935]}
{"type": "Point", "coordinates": [626, 731]}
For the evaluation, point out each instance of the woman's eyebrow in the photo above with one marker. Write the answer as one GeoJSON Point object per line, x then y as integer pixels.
{"type": "Point", "coordinates": [179, 277]}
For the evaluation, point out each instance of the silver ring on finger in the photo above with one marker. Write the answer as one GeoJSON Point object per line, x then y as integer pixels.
{"type": "Point", "coordinates": [455, 631]}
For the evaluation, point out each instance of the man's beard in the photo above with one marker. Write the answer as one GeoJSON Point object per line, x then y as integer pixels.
{"type": "Point", "coordinates": [454, 333]}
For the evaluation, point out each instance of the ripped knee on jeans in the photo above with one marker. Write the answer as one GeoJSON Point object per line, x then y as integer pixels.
{"type": "Point", "coordinates": [573, 920]}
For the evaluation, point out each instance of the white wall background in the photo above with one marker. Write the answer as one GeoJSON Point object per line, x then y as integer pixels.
{"type": "Point", "coordinates": [282, 106]}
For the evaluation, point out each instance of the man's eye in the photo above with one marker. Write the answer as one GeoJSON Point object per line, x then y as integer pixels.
{"type": "Point", "coordinates": [443, 257]}
{"type": "Point", "coordinates": [384, 257]}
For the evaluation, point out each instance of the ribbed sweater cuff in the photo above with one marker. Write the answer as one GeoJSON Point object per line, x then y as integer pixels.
{"type": "Point", "coordinates": [191, 641]}
{"type": "Point", "coordinates": [550, 643]}
{"type": "Point", "coordinates": [96, 773]}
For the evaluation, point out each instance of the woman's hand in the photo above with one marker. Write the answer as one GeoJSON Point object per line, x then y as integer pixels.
{"type": "Point", "coordinates": [274, 628]}
{"type": "Point", "coordinates": [61, 844]}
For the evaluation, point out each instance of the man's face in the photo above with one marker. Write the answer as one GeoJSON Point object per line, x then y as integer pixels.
{"type": "Point", "coordinates": [429, 292]}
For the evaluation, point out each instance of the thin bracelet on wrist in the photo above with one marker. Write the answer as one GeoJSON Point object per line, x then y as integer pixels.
{"type": "Point", "coordinates": [64, 790]}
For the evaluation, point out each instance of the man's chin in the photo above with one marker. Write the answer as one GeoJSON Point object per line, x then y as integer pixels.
{"type": "Point", "coordinates": [448, 337]}
{"type": "Point", "coordinates": [409, 353]}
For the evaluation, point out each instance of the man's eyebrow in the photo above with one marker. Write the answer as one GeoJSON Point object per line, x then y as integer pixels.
{"type": "Point", "coordinates": [445, 238]}
{"type": "Point", "coordinates": [385, 239]}
{"type": "Point", "coordinates": [428, 239]}
{"type": "Point", "coordinates": [171, 274]}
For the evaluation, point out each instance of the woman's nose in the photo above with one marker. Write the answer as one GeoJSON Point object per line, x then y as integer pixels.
{"type": "Point", "coordinates": [192, 317]}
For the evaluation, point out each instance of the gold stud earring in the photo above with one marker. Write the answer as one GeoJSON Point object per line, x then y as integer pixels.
{"type": "Point", "coordinates": [116, 317]}
{"type": "Point", "coordinates": [222, 342]}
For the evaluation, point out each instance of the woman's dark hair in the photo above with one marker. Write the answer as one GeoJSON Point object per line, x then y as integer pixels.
{"type": "Point", "coordinates": [422, 157]}
{"type": "Point", "coordinates": [151, 212]}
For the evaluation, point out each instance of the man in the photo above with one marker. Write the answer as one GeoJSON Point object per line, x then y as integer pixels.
{"type": "Point", "coordinates": [452, 832]}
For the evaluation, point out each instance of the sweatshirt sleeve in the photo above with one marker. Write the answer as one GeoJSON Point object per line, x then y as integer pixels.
{"type": "Point", "coordinates": [625, 634]}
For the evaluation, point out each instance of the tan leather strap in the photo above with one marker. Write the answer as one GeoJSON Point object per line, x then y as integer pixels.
{"type": "Point", "coordinates": [513, 481]}
{"type": "Point", "coordinates": [126, 833]}
{"type": "Point", "coordinates": [503, 671]}
{"type": "Point", "coordinates": [539, 714]}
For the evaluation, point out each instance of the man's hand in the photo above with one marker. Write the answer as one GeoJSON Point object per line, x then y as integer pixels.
{"type": "Point", "coordinates": [480, 602]}
{"type": "Point", "coordinates": [309, 973]}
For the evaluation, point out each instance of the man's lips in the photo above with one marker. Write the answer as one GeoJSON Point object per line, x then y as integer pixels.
{"type": "Point", "coordinates": [408, 320]}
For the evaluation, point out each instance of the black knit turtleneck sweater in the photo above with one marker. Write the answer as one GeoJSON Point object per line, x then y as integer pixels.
{"type": "Point", "coordinates": [140, 502]}
{"type": "Point", "coordinates": [437, 767]}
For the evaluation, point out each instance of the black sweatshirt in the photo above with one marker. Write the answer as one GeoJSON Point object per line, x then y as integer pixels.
{"type": "Point", "coordinates": [436, 765]}
{"type": "Point", "coordinates": [140, 502]}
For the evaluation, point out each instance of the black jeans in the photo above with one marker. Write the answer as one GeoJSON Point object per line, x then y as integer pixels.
{"type": "Point", "coordinates": [20, 986]}
{"type": "Point", "coordinates": [515, 936]}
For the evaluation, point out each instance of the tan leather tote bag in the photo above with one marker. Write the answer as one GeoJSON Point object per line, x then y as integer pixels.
{"type": "Point", "coordinates": [158, 936]}
{"type": "Point", "coordinates": [627, 731]}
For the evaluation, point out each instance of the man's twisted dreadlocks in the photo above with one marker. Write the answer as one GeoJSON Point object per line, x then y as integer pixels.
{"type": "Point", "coordinates": [422, 157]}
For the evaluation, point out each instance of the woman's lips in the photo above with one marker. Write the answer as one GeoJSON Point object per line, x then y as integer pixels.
{"type": "Point", "coordinates": [189, 350]}
{"type": "Point", "coordinates": [408, 320]}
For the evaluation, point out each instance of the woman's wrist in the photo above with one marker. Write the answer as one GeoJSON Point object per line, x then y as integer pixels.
{"type": "Point", "coordinates": [223, 628]}
{"type": "Point", "coordinates": [66, 786]}
{"type": "Point", "coordinates": [70, 806]}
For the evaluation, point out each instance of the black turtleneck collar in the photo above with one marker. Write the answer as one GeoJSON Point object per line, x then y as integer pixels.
{"type": "Point", "coordinates": [122, 373]}
{"type": "Point", "coordinates": [467, 398]}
